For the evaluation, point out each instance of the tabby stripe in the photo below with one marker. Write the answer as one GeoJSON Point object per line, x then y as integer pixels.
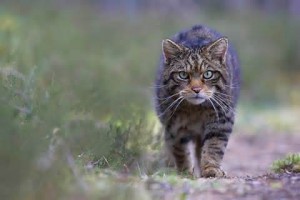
{"type": "Point", "coordinates": [173, 79]}
{"type": "Point", "coordinates": [220, 136]}
{"type": "Point", "coordinates": [179, 154]}
{"type": "Point", "coordinates": [190, 65]}
{"type": "Point", "coordinates": [218, 87]}
{"type": "Point", "coordinates": [173, 87]}
{"type": "Point", "coordinates": [202, 65]}
{"type": "Point", "coordinates": [180, 162]}
{"type": "Point", "coordinates": [216, 80]}
{"type": "Point", "coordinates": [223, 78]}
{"type": "Point", "coordinates": [214, 147]}
{"type": "Point", "coordinates": [222, 129]}
{"type": "Point", "coordinates": [186, 139]}
{"type": "Point", "coordinates": [169, 136]}
{"type": "Point", "coordinates": [219, 152]}
{"type": "Point", "coordinates": [222, 120]}
{"type": "Point", "coordinates": [165, 82]}
{"type": "Point", "coordinates": [177, 148]}
{"type": "Point", "coordinates": [213, 114]}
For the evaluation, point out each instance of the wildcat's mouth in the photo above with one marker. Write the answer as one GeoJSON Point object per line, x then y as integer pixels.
{"type": "Point", "coordinates": [196, 100]}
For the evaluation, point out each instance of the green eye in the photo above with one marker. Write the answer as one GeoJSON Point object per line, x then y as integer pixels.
{"type": "Point", "coordinates": [183, 75]}
{"type": "Point", "coordinates": [208, 74]}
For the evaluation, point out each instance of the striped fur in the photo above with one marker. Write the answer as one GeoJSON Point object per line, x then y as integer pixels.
{"type": "Point", "coordinates": [197, 87]}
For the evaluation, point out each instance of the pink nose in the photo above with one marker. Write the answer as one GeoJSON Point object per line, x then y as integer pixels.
{"type": "Point", "coordinates": [196, 89]}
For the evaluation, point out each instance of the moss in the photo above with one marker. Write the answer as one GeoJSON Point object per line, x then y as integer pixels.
{"type": "Point", "coordinates": [291, 163]}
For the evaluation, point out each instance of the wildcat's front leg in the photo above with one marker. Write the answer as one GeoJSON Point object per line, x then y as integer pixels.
{"type": "Point", "coordinates": [213, 149]}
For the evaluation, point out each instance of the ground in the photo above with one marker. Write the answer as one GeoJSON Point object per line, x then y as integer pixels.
{"type": "Point", "coordinates": [247, 162]}
{"type": "Point", "coordinates": [253, 154]}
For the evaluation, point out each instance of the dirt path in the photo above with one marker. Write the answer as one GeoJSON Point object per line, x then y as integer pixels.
{"type": "Point", "coordinates": [247, 162]}
{"type": "Point", "coordinates": [253, 154]}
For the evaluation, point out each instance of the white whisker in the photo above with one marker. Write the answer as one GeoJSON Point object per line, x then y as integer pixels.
{"type": "Point", "coordinates": [168, 96]}
{"type": "Point", "coordinates": [224, 103]}
{"type": "Point", "coordinates": [157, 86]}
{"type": "Point", "coordinates": [232, 86]}
{"type": "Point", "coordinates": [214, 108]}
{"type": "Point", "coordinates": [176, 108]}
{"type": "Point", "coordinates": [223, 94]}
{"type": "Point", "coordinates": [166, 99]}
{"type": "Point", "coordinates": [221, 106]}
{"type": "Point", "coordinates": [170, 106]}
{"type": "Point", "coordinates": [225, 99]}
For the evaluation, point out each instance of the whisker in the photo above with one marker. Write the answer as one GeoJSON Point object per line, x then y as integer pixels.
{"type": "Point", "coordinates": [232, 86]}
{"type": "Point", "coordinates": [217, 114]}
{"type": "Point", "coordinates": [166, 99]}
{"type": "Point", "coordinates": [168, 96]}
{"type": "Point", "coordinates": [224, 103]}
{"type": "Point", "coordinates": [176, 108]}
{"type": "Point", "coordinates": [158, 86]}
{"type": "Point", "coordinates": [224, 100]}
{"type": "Point", "coordinates": [170, 106]}
{"type": "Point", "coordinates": [217, 102]}
{"type": "Point", "coordinates": [227, 99]}
{"type": "Point", "coordinates": [223, 94]}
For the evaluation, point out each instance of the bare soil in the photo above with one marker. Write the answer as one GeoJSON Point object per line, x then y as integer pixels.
{"type": "Point", "coordinates": [253, 154]}
{"type": "Point", "coordinates": [247, 162]}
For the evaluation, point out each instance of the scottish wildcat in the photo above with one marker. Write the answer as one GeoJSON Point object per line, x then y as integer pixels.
{"type": "Point", "coordinates": [197, 87]}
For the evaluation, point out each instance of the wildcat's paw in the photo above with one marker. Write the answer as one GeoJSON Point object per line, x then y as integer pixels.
{"type": "Point", "coordinates": [212, 172]}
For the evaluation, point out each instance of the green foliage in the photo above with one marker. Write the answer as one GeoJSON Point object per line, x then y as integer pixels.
{"type": "Point", "coordinates": [112, 144]}
{"type": "Point", "coordinates": [291, 163]}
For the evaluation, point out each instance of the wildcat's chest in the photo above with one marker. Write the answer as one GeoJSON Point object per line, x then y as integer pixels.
{"type": "Point", "coordinates": [188, 123]}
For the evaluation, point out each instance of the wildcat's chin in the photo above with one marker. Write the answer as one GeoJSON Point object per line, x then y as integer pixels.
{"type": "Point", "coordinates": [196, 100]}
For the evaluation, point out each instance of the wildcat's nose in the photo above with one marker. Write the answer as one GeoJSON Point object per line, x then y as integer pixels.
{"type": "Point", "coordinates": [196, 89]}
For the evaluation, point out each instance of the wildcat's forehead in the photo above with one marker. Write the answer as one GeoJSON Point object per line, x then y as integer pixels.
{"type": "Point", "coordinates": [193, 61]}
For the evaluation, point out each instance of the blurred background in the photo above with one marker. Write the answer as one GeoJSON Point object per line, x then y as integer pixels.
{"type": "Point", "coordinates": [77, 80]}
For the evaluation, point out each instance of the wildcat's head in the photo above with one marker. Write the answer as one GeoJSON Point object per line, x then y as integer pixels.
{"type": "Point", "coordinates": [196, 74]}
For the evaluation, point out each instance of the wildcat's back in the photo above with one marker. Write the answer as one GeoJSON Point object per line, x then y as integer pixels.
{"type": "Point", "coordinates": [197, 88]}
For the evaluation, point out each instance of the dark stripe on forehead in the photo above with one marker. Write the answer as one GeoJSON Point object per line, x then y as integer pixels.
{"type": "Point", "coordinates": [196, 63]}
{"type": "Point", "coordinates": [189, 66]}
{"type": "Point", "coordinates": [195, 60]}
{"type": "Point", "coordinates": [202, 64]}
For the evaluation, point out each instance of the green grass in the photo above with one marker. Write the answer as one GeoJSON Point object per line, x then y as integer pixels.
{"type": "Point", "coordinates": [288, 164]}
{"type": "Point", "coordinates": [86, 80]}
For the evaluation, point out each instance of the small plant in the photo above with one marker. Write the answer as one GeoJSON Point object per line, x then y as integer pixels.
{"type": "Point", "coordinates": [290, 164]}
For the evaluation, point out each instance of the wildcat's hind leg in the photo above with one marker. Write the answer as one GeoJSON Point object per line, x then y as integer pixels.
{"type": "Point", "coordinates": [178, 148]}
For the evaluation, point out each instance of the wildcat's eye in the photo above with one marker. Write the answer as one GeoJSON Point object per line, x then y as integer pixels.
{"type": "Point", "coordinates": [183, 75]}
{"type": "Point", "coordinates": [208, 74]}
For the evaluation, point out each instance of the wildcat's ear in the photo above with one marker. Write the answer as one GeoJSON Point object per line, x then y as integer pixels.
{"type": "Point", "coordinates": [217, 50]}
{"type": "Point", "coordinates": [170, 49]}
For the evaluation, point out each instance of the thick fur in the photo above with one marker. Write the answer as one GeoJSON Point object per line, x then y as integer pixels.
{"type": "Point", "coordinates": [197, 113]}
